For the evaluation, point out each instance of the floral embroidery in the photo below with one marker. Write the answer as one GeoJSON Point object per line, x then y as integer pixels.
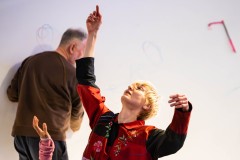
{"type": "Point", "coordinates": [122, 142]}
{"type": "Point", "coordinates": [133, 133]}
{"type": "Point", "coordinates": [97, 146]}
{"type": "Point", "coordinates": [108, 129]}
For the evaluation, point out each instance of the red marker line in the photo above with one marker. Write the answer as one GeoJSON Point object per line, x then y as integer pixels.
{"type": "Point", "coordinates": [225, 28]}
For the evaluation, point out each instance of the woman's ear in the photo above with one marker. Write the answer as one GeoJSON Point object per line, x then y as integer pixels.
{"type": "Point", "coordinates": [146, 107]}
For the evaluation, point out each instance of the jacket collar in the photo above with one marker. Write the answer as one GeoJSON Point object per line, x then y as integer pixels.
{"type": "Point", "coordinates": [132, 125]}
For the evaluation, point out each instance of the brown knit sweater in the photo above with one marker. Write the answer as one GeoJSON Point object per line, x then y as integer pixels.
{"type": "Point", "coordinates": [45, 86]}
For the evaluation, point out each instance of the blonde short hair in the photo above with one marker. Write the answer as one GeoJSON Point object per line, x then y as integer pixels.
{"type": "Point", "coordinates": [152, 99]}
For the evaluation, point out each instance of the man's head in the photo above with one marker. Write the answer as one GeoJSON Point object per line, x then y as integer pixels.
{"type": "Point", "coordinates": [141, 96]}
{"type": "Point", "coordinates": [72, 44]}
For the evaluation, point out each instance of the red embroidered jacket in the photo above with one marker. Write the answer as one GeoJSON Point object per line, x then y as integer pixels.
{"type": "Point", "coordinates": [131, 141]}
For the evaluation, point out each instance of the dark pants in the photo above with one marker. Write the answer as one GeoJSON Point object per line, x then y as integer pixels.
{"type": "Point", "coordinates": [28, 148]}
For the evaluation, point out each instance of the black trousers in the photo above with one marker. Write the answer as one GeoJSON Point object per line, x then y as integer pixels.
{"type": "Point", "coordinates": [28, 148]}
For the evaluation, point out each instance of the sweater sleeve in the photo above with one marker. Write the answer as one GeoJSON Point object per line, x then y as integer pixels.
{"type": "Point", "coordinates": [46, 148]}
{"type": "Point", "coordinates": [162, 143]}
{"type": "Point", "coordinates": [88, 91]}
{"type": "Point", "coordinates": [14, 87]}
{"type": "Point", "coordinates": [77, 111]}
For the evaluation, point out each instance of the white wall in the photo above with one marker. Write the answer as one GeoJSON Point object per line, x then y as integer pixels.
{"type": "Point", "coordinates": [166, 42]}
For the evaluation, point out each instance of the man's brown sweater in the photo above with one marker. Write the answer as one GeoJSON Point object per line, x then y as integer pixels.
{"type": "Point", "coordinates": [45, 86]}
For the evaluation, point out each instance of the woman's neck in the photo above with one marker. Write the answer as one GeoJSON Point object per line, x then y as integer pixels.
{"type": "Point", "coordinates": [126, 116]}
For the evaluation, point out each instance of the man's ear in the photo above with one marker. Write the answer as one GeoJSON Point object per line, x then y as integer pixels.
{"type": "Point", "coordinates": [72, 47]}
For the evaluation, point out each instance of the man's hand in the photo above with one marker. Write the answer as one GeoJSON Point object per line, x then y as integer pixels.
{"type": "Point", "coordinates": [75, 124]}
{"type": "Point", "coordinates": [43, 133]}
{"type": "Point", "coordinates": [179, 101]}
{"type": "Point", "coordinates": [94, 21]}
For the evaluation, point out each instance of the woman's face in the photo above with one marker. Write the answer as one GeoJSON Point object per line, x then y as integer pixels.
{"type": "Point", "coordinates": [134, 96]}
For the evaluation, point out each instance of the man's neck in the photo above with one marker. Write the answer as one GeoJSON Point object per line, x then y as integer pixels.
{"type": "Point", "coordinates": [62, 52]}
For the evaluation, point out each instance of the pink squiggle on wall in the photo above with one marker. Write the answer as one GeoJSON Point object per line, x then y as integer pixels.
{"type": "Point", "coordinates": [225, 28]}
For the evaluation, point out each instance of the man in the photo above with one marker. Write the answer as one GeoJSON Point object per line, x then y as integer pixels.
{"type": "Point", "coordinates": [45, 86]}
